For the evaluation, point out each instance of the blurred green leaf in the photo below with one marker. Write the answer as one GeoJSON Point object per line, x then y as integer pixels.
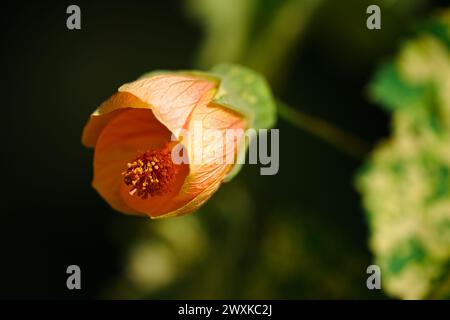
{"type": "Point", "coordinates": [247, 92]}
{"type": "Point", "coordinates": [406, 182]}
{"type": "Point", "coordinates": [440, 28]}
{"type": "Point", "coordinates": [227, 25]}
{"type": "Point", "coordinates": [390, 91]}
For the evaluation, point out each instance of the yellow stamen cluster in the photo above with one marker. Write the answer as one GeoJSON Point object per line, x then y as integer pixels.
{"type": "Point", "coordinates": [150, 174]}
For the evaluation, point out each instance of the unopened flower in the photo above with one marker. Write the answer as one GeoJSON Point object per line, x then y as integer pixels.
{"type": "Point", "coordinates": [135, 131]}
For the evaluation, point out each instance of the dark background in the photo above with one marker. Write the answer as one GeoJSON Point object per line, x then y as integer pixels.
{"type": "Point", "coordinates": [53, 78]}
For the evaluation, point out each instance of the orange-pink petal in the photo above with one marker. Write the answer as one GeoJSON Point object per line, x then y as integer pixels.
{"type": "Point", "coordinates": [206, 175]}
{"type": "Point", "coordinates": [128, 134]}
{"type": "Point", "coordinates": [106, 112]}
{"type": "Point", "coordinates": [173, 97]}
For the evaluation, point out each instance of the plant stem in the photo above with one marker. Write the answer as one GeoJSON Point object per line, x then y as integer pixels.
{"type": "Point", "coordinates": [341, 139]}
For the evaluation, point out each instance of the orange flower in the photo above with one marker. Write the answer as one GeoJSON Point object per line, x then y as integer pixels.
{"type": "Point", "coordinates": [132, 134]}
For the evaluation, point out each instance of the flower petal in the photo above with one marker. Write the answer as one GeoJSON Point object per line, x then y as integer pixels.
{"type": "Point", "coordinates": [106, 112]}
{"type": "Point", "coordinates": [129, 133]}
{"type": "Point", "coordinates": [206, 174]}
{"type": "Point", "coordinates": [173, 97]}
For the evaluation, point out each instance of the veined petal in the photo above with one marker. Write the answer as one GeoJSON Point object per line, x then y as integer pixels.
{"type": "Point", "coordinates": [172, 97]}
{"type": "Point", "coordinates": [195, 203]}
{"type": "Point", "coordinates": [208, 169]}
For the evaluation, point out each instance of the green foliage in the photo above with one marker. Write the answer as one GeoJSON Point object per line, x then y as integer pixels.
{"type": "Point", "coordinates": [245, 91]}
{"type": "Point", "coordinates": [390, 91]}
{"type": "Point", "coordinates": [227, 25]}
{"type": "Point", "coordinates": [245, 31]}
{"type": "Point", "coordinates": [406, 182]}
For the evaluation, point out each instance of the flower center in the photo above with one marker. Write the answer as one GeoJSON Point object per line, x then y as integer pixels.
{"type": "Point", "coordinates": [151, 173]}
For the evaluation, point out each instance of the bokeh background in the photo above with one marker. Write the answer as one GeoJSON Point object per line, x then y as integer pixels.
{"type": "Point", "coordinates": [307, 232]}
